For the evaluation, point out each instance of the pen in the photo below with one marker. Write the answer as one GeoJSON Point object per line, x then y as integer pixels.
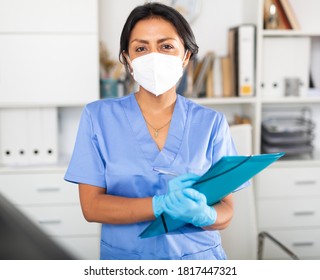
{"type": "Point", "coordinates": [165, 172]}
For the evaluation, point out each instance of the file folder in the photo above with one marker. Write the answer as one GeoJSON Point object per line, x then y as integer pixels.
{"type": "Point", "coordinates": [223, 178]}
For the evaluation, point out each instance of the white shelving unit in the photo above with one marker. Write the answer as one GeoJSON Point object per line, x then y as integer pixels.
{"type": "Point", "coordinates": [288, 192]}
{"type": "Point", "coordinates": [49, 59]}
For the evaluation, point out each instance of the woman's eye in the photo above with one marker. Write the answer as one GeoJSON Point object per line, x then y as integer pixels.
{"type": "Point", "coordinates": [167, 47]}
{"type": "Point", "coordinates": [140, 49]}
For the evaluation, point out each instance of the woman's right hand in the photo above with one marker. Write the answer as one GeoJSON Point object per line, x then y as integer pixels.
{"type": "Point", "coordinates": [185, 203]}
{"type": "Point", "coordinates": [177, 184]}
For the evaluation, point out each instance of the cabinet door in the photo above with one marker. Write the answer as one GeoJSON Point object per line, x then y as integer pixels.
{"type": "Point", "coordinates": [49, 69]}
{"type": "Point", "coordinates": [38, 189]}
{"type": "Point", "coordinates": [48, 16]}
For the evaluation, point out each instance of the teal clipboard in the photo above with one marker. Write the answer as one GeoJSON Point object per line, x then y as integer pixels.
{"type": "Point", "coordinates": [224, 177]}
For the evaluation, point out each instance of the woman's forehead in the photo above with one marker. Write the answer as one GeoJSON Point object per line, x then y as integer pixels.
{"type": "Point", "coordinates": [154, 29]}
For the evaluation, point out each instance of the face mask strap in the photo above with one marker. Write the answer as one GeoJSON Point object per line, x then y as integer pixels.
{"type": "Point", "coordinates": [127, 57]}
{"type": "Point", "coordinates": [184, 57]}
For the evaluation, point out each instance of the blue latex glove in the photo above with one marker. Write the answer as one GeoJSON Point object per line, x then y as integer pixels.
{"type": "Point", "coordinates": [178, 183]}
{"type": "Point", "coordinates": [184, 203]}
{"type": "Point", "coordinates": [190, 206]}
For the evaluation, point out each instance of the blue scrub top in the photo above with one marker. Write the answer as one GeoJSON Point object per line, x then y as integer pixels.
{"type": "Point", "coordinates": [114, 150]}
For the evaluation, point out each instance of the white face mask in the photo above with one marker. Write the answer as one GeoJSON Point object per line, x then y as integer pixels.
{"type": "Point", "coordinates": [157, 72]}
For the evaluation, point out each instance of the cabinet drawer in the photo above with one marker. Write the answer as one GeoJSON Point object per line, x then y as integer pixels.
{"type": "Point", "coordinates": [304, 243]}
{"type": "Point", "coordinates": [26, 189]}
{"type": "Point", "coordinates": [280, 213]}
{"type": "Point", "coordinates": [289, 182]}
{"type": "Point", "coordinates": [61, 220]}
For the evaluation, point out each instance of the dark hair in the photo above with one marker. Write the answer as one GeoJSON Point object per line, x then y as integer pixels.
{"type": "Point", "coordinates": [150, 10]}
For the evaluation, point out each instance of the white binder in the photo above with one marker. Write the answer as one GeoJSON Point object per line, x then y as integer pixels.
{"type": "Point", "coordinates": [246, 59]}
{"type": "Point", "coordinates": [287, 57]}
{"type": "Point", "coordinates": [28, 136]}
{"type": "Point", "coordinates": [42, 135]}
{"type": "Point", "coordinates": [49, 131]}
{"type": "Point", "coordinates": [34, 135]}
{"type": "Point", "coordinates": [13, 136]}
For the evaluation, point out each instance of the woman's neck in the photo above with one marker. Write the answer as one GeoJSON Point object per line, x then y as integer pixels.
{"type": "Point", "coordinates": [157, 112]}
{"type": "Point", "coordinates": [151, 104]}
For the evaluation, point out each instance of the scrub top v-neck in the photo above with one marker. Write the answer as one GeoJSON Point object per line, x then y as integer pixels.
{"type": "Point", "coordinates": [114, 150]}
{"type": "Point", "coordinates": [144, 140]}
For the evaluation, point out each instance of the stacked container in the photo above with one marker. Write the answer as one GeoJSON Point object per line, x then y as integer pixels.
{"type": "Point", "coordinates": [288, 133]}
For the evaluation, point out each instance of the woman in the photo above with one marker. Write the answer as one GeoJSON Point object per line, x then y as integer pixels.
{"type": "Point", "coordinates": [128, 149]}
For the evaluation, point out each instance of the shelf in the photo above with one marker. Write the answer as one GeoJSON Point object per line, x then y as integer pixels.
{"type": "Point", "coordinates": [225, 100]}
{"type": "Point", "coordinates": [60, 166]}
{"type": "Point", "coordinates": [41, 105]}
{"type": "Point", "coordinates": [202, 101]}
{"type": "Point", "coordinates": [291, 100]}
{"type": "Point", "coordinates": [289, 33]}
{"type": "Point", "coordinates": [33, 169]}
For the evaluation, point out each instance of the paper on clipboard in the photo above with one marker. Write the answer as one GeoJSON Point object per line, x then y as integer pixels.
{"type": "Point", "coordinates": [224, 177]}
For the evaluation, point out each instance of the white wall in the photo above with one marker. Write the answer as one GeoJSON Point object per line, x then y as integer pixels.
{"type": "Point", "coordinates": [210, 28]}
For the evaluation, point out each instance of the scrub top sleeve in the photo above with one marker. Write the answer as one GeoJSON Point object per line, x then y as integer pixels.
{"type": "Point", "coordinates": [224, 145]}
{"type": "Point", "coordinates": [86, 165]}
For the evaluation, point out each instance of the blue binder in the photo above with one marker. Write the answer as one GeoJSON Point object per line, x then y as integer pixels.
{"type": "Point", "coordinates": [224, 177]}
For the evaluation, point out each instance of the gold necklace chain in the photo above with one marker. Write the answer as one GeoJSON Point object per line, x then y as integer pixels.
{"type": "Point", "coordinates": [156, 130]}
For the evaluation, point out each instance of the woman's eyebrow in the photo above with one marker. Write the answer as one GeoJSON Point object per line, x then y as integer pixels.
{"type": "Point", "coordinates": [147, 42]}
{"type": "Point", "coordinates": [166, 39]}
{"type": "Point", "coordinates": [140, 41]}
